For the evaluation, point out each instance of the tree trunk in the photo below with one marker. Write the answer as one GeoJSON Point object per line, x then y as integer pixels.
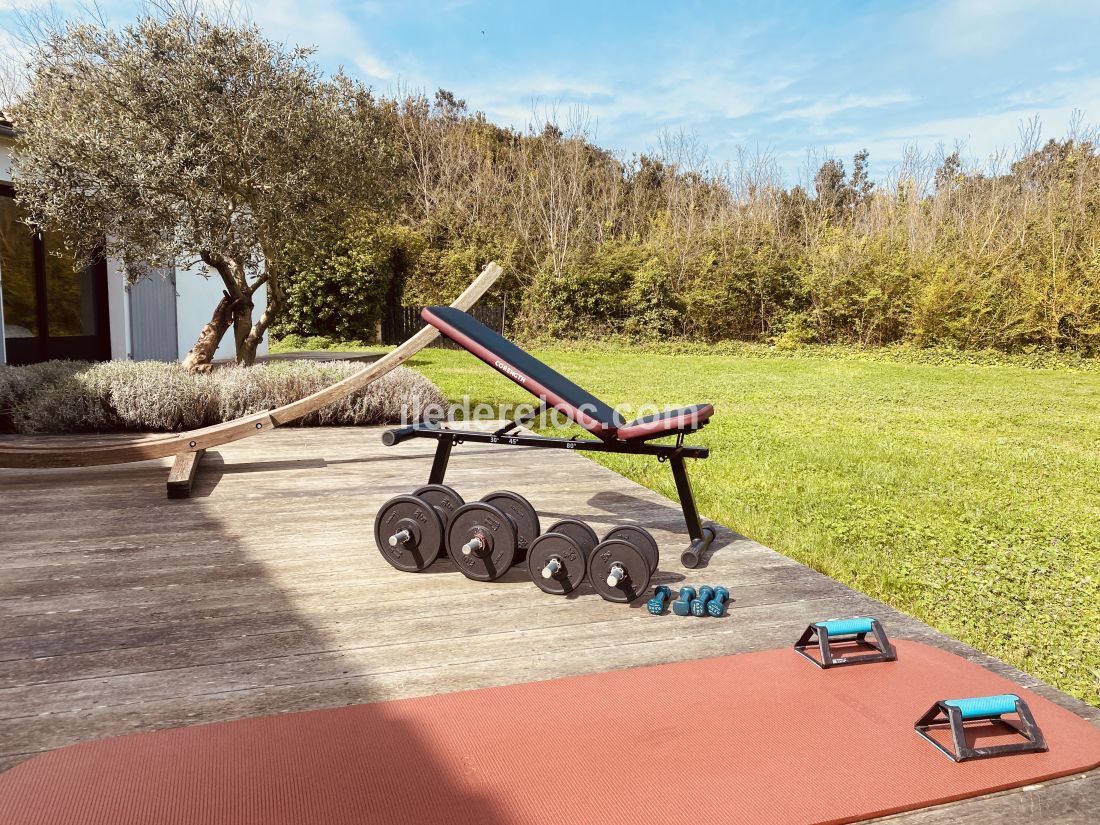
{"type": "Point", "coordinates": [235, 310]}
{"type": "Point", "coordinates": [242, 328]}
{"type": "Point", "coordinates": [226, 314]}
{"type": "Point", "coordinates": [246, 349]}
{"type": "Point", "coordinates": [254, 333]}
{"type": "Point", "coordinates": [199, 356]}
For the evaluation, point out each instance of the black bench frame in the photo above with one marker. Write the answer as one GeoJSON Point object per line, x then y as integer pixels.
{"type": "Point", "coordinates": [702, 535]}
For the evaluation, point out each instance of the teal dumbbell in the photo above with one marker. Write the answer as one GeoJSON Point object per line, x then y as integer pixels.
{"type": "Point", "coordinates": [717, 606]}
{"type": "Point", "coordinates": [682, 605]}
{"type": "Point", "coordinates": [699, 605]}
{"type": "Point", "coordinates": [659, 601]}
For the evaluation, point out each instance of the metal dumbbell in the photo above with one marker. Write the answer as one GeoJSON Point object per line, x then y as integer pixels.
{"type": "Point", "coordinates": [621, 565]}
{"type": "Point", "coordinates": [717, 606]}
{"type": "Point", "coordinates": [558, 559]}
{"type": "Point", "coordinates": [410, 530]}
{"type": "Point", "coordinates": [642, 541]}
{"type": "Point", "coordinates": [699, 604]}
{"type": "Point", "coordinates": [660, 600]}
{"type": "Point", "coordinates": [682, 605]}
{"type": "Point", "coordinates": [482, 541]}
{"type": "Point", "coordinates": [523, 515]}
{"type": "Point", "coordinates": [444, 499]}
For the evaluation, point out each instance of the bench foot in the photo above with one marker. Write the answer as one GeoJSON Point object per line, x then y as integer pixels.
{"type": "Point", "coordinates": [694, 553]}
{"type": "Point", "coordinates": [183, 473]}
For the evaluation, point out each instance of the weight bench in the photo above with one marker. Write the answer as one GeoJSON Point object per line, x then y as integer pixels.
{"type": "Point", "coordinates": [555, 391]}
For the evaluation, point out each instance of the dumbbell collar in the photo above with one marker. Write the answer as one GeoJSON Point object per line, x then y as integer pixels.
{"type": "Point", "coordinates": [479, 544]}
{"type": "Point", "coordinates": [616, 575]}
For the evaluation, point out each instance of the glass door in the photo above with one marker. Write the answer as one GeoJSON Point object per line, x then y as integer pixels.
{"type": "Point", "coordinates": [51, 310]}
{"type": "Point", "coordinates": [18, 280]}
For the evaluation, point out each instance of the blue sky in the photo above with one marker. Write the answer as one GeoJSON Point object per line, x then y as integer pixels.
{"type": "Point", "coordinates": [788, 78]}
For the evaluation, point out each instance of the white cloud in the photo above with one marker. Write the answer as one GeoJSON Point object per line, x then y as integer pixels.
{"type": "Point", "coordinates": [558, 87]}
{"type": "Point", "coordinates": [20, 5]}
{"type": "Point", "coordinates": [823, 109]}
{"type": "Point", "coordinates": [374, 66]}
{"type": "Point", "coordinates": [1080, 92]}
{"type": "Point", "coordinates": [625, 108]}
{"type": "Point", "coordinates": [981, 27]}
{"type": "Point", "coordinates": [337, 37]}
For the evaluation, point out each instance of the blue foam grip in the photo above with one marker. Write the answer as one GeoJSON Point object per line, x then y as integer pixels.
{"type": "Point", "coordinates": [846, 627]}
{"type": "Point", "coordinates": [682, 605]}
{"type": "Point", "coordinates": [985, 707]}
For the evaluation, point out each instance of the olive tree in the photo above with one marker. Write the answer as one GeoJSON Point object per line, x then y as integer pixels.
{"type": "Point", "coordinates": [180, 140]}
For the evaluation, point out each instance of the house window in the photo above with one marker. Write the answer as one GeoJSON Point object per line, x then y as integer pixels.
{"type": "Point", "coordinates": [17, 271]}
{"type": "Point", "coordinates": [71, 304]}
{"type": "Point", "coordinates": [51, 309]}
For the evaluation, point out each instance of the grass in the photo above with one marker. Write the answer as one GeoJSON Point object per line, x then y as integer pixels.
{"type": "Point", "coordinates": [967, 495]}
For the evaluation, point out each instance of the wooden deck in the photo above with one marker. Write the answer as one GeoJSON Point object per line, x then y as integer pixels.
{"type": "Point", "coordinates": [123, 611]}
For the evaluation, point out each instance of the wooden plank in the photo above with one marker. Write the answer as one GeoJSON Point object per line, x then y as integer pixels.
{"type": "Point", "coordinates": [135, 450]}
{"type": "Point", "coordinates": [183, 473]}
{"type": "Point", "coordinates": [1070, 800]}
{"type": "Point", "coordinates": [257, 639]}
{"type": "Point", "coordinates": [121, 611]}
{"type": "Point", "coordinates": [235, 587]}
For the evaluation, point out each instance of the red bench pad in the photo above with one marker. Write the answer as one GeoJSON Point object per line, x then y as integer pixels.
{"type": "Point", "coordinates": [655, 426]}
{"type": "Point", "coordinates": [758, 738]}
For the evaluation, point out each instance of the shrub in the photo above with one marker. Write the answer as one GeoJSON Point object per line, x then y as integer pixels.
{"type": "Point", "coordinates": [342, 292]}
{"type": "Point", "coordinates": [318, 343]}
{"type": "Point", "coordinates": [441, 271]}
{"type": "Point", "coordinates": [655, 313]}
{"type": "Point", "coordinates": [74, 396]}
{"type": "Point", "coordinates": [620, 288]}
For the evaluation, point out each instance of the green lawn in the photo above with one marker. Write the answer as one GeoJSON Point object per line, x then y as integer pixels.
{"type": "Point", "coordinates": [968, 496]}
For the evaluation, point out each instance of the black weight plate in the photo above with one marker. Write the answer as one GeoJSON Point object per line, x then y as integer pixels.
{"type": "Point", "coordinates": [422, 522]}
{"type": "Point", "coordinates": [546, 547]}
{"type": "Point", "coordinates": [641, 539]}
{"type": "Point", "coordinates": [492, 524]}
{"type": "Point", "coordinates": [444, 499]}
{"type": "Point", "coordinates": [581, 533]}
{"type": "Point", "coordinates": [607, 554]}
{"type": "Point", "coordinates": [522, 513]}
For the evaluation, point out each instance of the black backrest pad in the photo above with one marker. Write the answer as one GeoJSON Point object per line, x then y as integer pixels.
{"type": "Point", "coordinates": [501, 354]}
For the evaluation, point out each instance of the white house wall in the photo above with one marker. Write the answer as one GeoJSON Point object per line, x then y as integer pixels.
{"type": "Point", "coordinates": [196, 298]}
{"type": "Point", "coordinates": [5, 162]}
{"type": "Point", "coordinates": [118, 310]}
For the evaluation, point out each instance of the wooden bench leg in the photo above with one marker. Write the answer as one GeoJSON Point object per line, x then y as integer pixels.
{"type": "Point", "coordinates": [183, 473]}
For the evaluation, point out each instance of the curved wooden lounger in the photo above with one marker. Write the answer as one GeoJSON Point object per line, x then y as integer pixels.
{"type": "Point", "coordinates": [189, 446]}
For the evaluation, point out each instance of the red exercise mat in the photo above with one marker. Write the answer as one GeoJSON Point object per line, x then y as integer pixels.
{"type": "Point", "coordinates": [756, 738]}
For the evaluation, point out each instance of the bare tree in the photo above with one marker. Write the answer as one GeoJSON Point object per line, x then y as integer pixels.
{"type": "Point", "coordinates": [552, 191]}
{"type": "Point", "coordinates": [11, 73]}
